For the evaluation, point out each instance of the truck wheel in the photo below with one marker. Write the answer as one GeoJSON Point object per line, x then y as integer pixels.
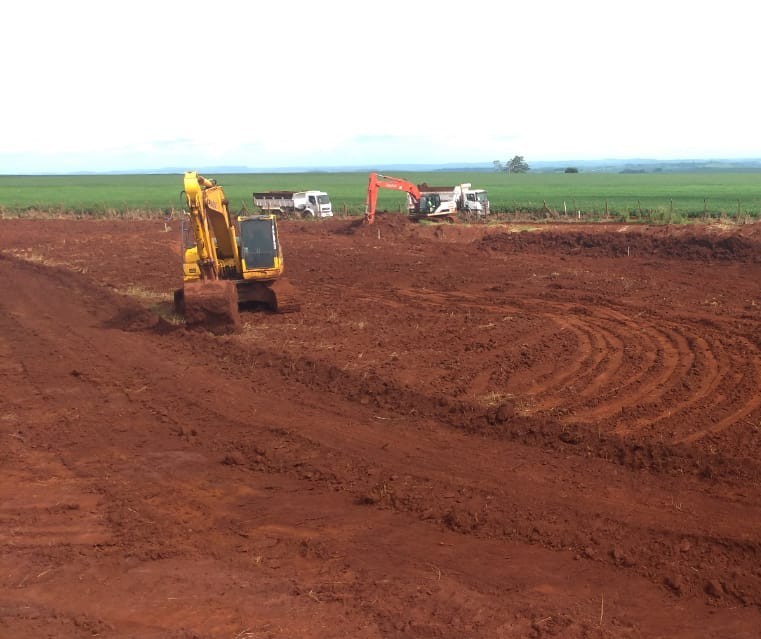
{"type": "Point", "coordinates": [307, 213]}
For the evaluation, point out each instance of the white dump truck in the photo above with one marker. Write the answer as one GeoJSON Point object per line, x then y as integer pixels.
{"type": "Point", "coordinates": [445, 201]}
{"type": "Point", "coordinates": [300, 203]}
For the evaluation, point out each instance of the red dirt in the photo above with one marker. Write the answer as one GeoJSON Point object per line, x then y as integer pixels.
{"type": "Point", "coordinates": [465, 432]}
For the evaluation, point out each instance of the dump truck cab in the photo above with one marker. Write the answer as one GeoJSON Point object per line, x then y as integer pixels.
{"type": "Point", "coordinates": [475, 200]}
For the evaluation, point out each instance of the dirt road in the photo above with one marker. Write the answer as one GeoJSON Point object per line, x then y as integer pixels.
{"type": "Point", "coordinates": [467, 431]}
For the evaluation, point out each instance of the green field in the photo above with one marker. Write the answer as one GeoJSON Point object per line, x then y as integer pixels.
{"type": "Point", "coordinates": [654, 196]}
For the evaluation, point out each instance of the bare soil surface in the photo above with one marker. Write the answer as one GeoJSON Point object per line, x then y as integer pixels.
{"type": "Point", "coordinates": [467, 431]}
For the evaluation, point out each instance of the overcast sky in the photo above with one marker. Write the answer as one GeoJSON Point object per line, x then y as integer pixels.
{"type": "Point", "coordinates": [142, 85]}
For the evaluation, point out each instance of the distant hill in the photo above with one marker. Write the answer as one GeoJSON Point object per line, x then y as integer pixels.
{"type": "Point", "coordinates": [222, 169]}
{"type": "Point", "coordinates": [643, 165]}
{"type": "Point", "coordinates": [627, 165]}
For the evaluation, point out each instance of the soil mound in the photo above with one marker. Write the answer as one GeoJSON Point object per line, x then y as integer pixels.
{"type": "Point", "coordinates": [386, 224]}
{"type": "Point", "coordinates": [687, 246]}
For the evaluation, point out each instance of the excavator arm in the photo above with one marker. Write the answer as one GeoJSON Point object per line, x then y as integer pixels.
{"type": "Point", "coordinates": [210, 300]}
{"type": "Point", "coordinates": [378, 181]}
{"type": "Point", "coordinates": [212, 227]}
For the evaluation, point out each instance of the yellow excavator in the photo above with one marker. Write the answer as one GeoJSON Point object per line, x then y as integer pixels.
{"type": "Point", "coordinates": [227, 261]}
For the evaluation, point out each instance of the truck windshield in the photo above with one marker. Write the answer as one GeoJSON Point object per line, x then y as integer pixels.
{"type": "Point", "coordinates": [323, 199]}
{"type": "Point", "coordinates": [258, 242]}
{"type": "Point", "coordinates": [483, 196]}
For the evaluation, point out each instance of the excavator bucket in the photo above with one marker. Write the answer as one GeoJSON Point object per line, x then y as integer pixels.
{"type": "Point", "coordinates": [210, 304]}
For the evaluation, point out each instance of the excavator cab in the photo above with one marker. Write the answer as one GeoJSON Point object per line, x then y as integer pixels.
{"type": "Point", "coordinates": [429, 203]}
{"type": "Point", "coordinates": [259, 247]}
{"type": "Point", "coordinates": [261, 265]}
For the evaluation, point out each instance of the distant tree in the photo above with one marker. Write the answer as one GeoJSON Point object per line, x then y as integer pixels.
{"type": "Point", "coordinates": [498, 166]}
{"type": "Point", "coordinates": [571, 169]}
{"type": "Point", "coordinates": [517, 165]}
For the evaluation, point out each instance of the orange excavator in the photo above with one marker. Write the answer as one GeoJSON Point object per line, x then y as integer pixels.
{"type": "Point", "coordinates": [429, 202]}
{"type": "Point", "coordinates": [419, 204]}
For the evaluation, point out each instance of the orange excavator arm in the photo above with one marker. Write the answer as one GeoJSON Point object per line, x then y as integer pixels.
{"type": "Point", "coordinates": [378, 181]}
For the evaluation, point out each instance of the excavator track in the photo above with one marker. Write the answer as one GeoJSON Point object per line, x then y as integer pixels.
{"type": "Point", "coordinates": [279, 295]}
{"type": "Point", "coordinates": [286, 297]}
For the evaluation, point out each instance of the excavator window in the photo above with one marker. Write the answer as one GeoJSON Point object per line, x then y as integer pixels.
{"type": "Point", "coordinates": [429, 203]}
{"type": "Point", "coordinates": [258, 242]}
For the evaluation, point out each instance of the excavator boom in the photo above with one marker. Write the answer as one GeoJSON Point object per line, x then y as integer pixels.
{"type": "Point", "coordinates": [378, 181]}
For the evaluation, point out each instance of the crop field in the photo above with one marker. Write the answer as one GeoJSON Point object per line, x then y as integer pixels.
{"type": "Point", "coordinates": [467, 431]}
{"type": "Point", "coordinates": [653, 197]}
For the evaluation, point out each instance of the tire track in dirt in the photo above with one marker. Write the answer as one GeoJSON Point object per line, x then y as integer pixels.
{"type": "Point", "coordinates": [741, 398]}
{"type": "Point", "coordinates": [603, 386]}
{"type": "Point", "coordinates": [705, 368]}
{"type": "Point", "coordinates": [630, 371]}
{"type": "Point", "coordinates": [687, 390]}
{"type": "Point", "coordinates": [561, 376]}
{"type": "Point", "coordinates": [663, 359]}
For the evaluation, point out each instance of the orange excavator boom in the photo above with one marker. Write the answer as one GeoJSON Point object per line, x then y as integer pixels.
{"type": "Point", "coordinates": [378, 181]}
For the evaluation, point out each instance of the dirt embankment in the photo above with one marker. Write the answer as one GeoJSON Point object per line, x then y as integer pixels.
{"type": "Point", "coordinates": [681, 246]}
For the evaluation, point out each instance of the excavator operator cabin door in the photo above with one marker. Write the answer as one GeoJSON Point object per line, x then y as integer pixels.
{"type": "Point", "coordinates": [429, 203]}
